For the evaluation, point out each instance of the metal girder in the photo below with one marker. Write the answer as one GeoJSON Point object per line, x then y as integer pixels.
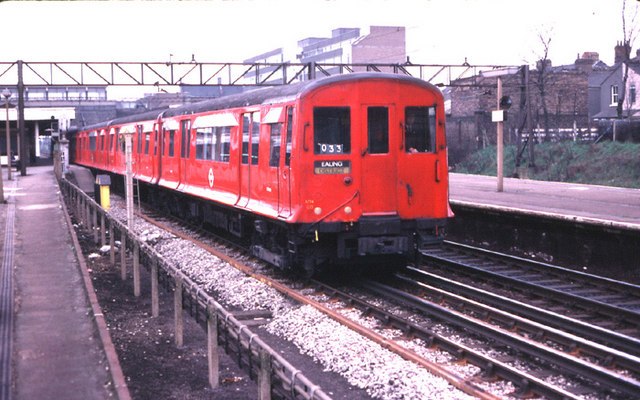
{"type": "Point", "coordinates": [65, 74]}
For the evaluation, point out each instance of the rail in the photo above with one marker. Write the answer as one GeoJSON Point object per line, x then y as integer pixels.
{"type": "Point", "coordinates": [273, 373]}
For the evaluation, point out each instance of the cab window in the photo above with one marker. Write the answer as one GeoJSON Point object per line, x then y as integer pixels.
{"type": "Point", "coordinates": [378, 130]}
{"type": "Point", "coordinates": [420, 129]}
{"type": "Point", "coordinates": [332, 128]}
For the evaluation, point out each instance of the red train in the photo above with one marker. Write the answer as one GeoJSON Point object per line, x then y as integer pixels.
{"type": "Point", "coordinates": [335, 171]}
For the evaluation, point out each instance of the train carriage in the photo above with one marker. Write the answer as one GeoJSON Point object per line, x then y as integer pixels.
{"type": "Point", "coordinates": [342, 170]}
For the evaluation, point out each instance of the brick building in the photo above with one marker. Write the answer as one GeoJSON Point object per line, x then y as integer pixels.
{"type": "Point", "coordinates": [559, 101]}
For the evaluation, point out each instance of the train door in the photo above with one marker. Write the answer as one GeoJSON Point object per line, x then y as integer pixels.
{"type": "Point", "coordinates": [284, 172]}
{"type": "Point", "coordinates": [155, 154]}
{"type": "Point", "coordinates": [185, 150]}
{"type": "Point", "coordinates": [249, 155]}
{"type": "Point", "coordinates": [379, 167]}
{"type": "Point", "coordinates": [168, 168]}
{"type": "Point", "coordinates": [112, 148]}
{"type": "Point", "coordinates": [137, 151]}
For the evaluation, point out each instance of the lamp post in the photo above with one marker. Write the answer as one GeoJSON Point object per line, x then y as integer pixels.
{"type": "Point", "coordinates": [7, 94]}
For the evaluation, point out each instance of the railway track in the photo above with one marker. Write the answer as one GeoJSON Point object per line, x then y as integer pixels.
{"type": "Point", "coordinates": [558, 344]}
{"type": "Point", "coordinates": [606, 303]}
{"type": "Point", "coordinates": [309, 293]}
{"type": "Point", "coordinates": [546, 306]}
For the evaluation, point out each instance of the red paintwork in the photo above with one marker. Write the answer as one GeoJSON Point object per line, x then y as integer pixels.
{"type": "Point", "coordinates": [397, 183]}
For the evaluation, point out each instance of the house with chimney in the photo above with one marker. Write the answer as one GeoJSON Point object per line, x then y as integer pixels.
{"type": "Point", "coordinates": [568, 102]}
{"type": "Point", "coordinates": [607, 87]}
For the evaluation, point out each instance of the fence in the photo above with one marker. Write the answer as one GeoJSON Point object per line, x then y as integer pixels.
{"type": "Point", "coordinates": [274, 375]}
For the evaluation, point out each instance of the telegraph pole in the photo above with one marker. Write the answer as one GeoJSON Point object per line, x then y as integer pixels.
{"type": "Point", "coordinates": [500, 139]}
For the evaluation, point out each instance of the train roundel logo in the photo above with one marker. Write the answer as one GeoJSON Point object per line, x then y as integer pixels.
{"type": "Point", "coordinates": [211, 177]}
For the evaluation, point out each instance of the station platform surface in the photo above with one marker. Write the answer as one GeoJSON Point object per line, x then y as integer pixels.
{"type": "Point", "coordinates": [53, 339]}
{"type": "Point", "coordinates": [586, 203]}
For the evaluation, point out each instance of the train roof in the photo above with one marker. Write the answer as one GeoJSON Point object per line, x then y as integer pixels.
{"type": "Point", "coordinates": [261, 96]}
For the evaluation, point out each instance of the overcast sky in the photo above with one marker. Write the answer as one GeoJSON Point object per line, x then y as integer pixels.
{"type": "Point", "coordinates": [437, 31]}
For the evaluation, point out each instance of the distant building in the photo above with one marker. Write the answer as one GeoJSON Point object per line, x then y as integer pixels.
{"type": "Point", "coordinates": [559, 100]}
{"type": "Point", "coordinates": [380, 45]}
{"type": "Point", "coordinates": [607, 87]}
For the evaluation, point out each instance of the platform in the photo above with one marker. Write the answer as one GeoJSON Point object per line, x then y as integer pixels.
{"type": "Point", "coordinates": [579, 202]}
{"type": "Point", "coordinates": [53, 336]}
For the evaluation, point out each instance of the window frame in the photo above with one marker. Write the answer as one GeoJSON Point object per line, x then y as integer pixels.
{"type": "Point", "coordinates": [421, 144]}
{"type": "Point", "coordinates": [340, 143]}
{"type": "Point", "coordinates": [614, 95]}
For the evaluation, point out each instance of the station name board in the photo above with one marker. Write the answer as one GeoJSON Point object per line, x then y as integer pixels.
{"type": "Point", "coordinates": [332, 167]}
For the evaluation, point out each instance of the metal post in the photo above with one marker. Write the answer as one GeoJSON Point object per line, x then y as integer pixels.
{"type": "Point", "coordinates": [500, 141]}
{"type": "Point", "coordinates": [1, 184]}
{"type": "Point", "coordinates": [7, 94]}
{"type": "Point", "coordinates": [177, 313]}
{"type": "Point", "coordinates": [22, 139]}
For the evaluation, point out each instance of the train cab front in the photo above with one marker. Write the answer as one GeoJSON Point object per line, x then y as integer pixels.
{"type": "Point", "coordinates": [379, 190]}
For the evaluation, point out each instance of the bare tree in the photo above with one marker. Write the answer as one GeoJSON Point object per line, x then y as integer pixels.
{"type": "Point", "coordinates": [543, 67]}
{"type": "Point", "coordinates": [629, 32]}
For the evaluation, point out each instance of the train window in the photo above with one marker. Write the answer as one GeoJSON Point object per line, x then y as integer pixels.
{"type": "Point", "coordinates": [223, 143]}
{"type": "Point", "coordinates": [121, 140]}
{"type": "Point", "coordinates": [378, 130]}
{"type": "Point", "coordinates": [155, 141]}
{"type": "Point", "coordinates": [250, 134]}
{"type": "Point", "coordinates": [246, 121]}
{"type": "Point", "coordinates": [287, 159]}
{"type": "Point", "coordinates": [213, 143]}
{"type": "Point", "coordinates": [275, 143]}
{"type": "Point", "coordinates": [332, 127]}
{"type": "Point", "coordinates": [420, 129]}
{"type": "Point", "coordinates": [203, 139]}
{"type": "Point", "coordinates": [255, 138]}
{"type": "Point", "coordinates": [185, 149]}
{"type": "Point", "coordinates": [92, 141]}
{"type": "Point", "coordinates": [147, 139]}
{"type": "Point", "coordinates": [139, 139]}
{"type": "Point", "coordinates": [171, 136]}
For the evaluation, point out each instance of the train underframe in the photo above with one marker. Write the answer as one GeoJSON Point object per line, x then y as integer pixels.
{"type": "Point", "coordinates": [373, 241]}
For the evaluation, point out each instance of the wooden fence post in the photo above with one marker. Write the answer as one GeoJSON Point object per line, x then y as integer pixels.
{"type": "Point", "coordinates": [123, 255]}
{"type": "Point", "coordinates": [212, 348]}
{"type": "Point", "coordinates": [136, 269]}
{"type": "Point", "coordinates": [177, 313]}
{"type": "Point", "coordinates": [264, 376]}
{"type": "Point", "coordinates": [112, 245]}
{"type": "Point", "coordinates": [155, 299]}
{"type": "Point", "coordinates": [103, 232]}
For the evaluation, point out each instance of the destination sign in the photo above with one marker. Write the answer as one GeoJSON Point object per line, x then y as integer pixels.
{"type": "Point", "coordinates": [332, 167]}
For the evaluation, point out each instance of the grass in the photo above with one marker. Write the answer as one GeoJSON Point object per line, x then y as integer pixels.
{"type": "Point", "coordinates": [606, 163]}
